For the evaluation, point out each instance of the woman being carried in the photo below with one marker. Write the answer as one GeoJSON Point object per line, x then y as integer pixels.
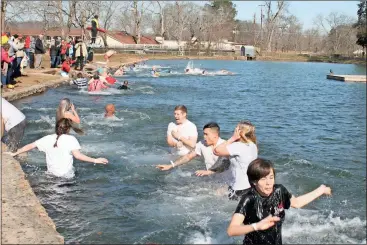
{"type": "Point", "coordinates": [60, 148]}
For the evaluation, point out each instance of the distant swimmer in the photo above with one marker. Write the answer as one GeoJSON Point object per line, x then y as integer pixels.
{"type": "Point", "coordinates": [125, 85]}
{"type": "Point", "coordinates": [154, 72]}
{"type": "Point", "coordinates": [261, 211]}
{"type": "Point", "coordinates": [226, 72]}
{"type": "Point", "coordinates": [110, 111]}
{"type": "Point", "coordinates": [119, 71]}
{"type": "Point", "coordinates": [213, 163]}
{"type": "Point", "coordinates": [60, 148]}
{"type": "Point", "coordinates": [331, 72]}
{"type": "Point", "coordinates": [182, 134]}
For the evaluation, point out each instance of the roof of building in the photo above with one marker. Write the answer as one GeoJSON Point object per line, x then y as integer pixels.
{"type": "Point", "coordinates": [51, 32]}
{"type": "Point", "coordinates": [127, 38]}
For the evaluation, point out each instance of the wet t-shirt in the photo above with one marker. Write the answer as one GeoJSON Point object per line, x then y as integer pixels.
{"type": "Point", "coordinates": [255, 208]}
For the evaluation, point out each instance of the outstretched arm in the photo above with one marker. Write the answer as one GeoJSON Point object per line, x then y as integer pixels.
{"type": "Point", "coordinates": [299, 202]}
{"type": "Point", "coordinates": [182, 160]}
{"type": "Point", "coordinates": [24, 149]}
{"type": "Point", "coordinates": [80, 156]}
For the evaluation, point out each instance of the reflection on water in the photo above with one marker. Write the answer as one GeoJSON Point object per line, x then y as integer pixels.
{"type": "Point", "coordinates": [312, 128]}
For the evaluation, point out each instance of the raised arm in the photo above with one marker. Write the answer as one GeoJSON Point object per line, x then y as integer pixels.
{"type": "Point", "coordinates": [73, 115]}
{"type": "Point", "coordinates": [299, 202]}
{"type": "Point", "coordinates": [221, 150]}
{"type": "Point", "coordinates": [80, 156]}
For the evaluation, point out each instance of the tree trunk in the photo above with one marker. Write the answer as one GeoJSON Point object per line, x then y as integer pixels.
{"type": "Point", "coordinates": [3, 11]}
{"type": "Point", "coordinates": [61, 19]}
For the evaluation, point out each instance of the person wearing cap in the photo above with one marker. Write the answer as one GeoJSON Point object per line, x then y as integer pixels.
{"type": "Point", "coordinates": [39, 51]}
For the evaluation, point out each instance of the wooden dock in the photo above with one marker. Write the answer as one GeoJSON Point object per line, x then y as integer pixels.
{"type": "Point", "coordinates": [348, 78]}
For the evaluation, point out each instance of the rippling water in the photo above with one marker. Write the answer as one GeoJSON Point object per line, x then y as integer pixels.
{"type": "Point", "coordinates": [313, 129]}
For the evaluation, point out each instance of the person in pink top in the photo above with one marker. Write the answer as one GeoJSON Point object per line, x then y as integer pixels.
{"type": "Point", "coordinates": [96, 84]}
{"type": "Point", "coordinates": [5, 61]}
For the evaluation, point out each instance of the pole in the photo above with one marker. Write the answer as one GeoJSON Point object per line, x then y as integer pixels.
{"type": "Point", "coordinates": [261, 25]}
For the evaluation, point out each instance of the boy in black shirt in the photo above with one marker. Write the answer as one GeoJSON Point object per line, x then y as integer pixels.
{"type": "Point", "coordinates": [260, 212]}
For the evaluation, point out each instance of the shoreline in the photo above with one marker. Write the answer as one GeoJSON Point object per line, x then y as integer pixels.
{"type": "Point", "coordinates": [24, 219]}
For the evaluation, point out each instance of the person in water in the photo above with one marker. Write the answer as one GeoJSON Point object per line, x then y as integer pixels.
{"type": "Point", "coordinates": [204, 149]}
{"type": "Point", "coordinates": [97, 84]}
{"type": "Point", "coordinates": [241, 149]}
{"type": "Point", "coordinates": [80, 81]}
{"type": "Point", "coordinates": [261, 210]}
{"type": "Point", "coordinates": [119, 71]}
{"type": "Point", "coordinates": [66, 109]}
{"type": "Point", "coordinates": [109, 111]}
{"type": "Point", "coordinates": [182, 134]}
{"type": "Point", "coordinates": [60, 148]}
{"type": "Point", "coordinates": [125, 85]}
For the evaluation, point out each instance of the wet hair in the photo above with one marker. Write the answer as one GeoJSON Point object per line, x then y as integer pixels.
{"type": "Point", "coordinates": [259, 168]}
{"type": "Point", "coordinates": [181, 108]}
{"type": "Point", "coordinates": [15, 36]}
{"type": "Point", "coordinates": [213, 126]}
{"type": "Point", "coordinates": [64, 106]}
{"type": "Point", "coordinates": [126, 82]}
{"type": "Point", "coordinates": [247, 132]}
{"type": "Point", "coordinates": [63, 126]}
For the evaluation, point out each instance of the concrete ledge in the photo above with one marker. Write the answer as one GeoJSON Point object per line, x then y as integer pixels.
{"type": "Point", "coordinates": [347, 78]}
{"type": "Point", "coordinates": [35, 89]}
{"type": "Point", "coordinates": [24, 220]}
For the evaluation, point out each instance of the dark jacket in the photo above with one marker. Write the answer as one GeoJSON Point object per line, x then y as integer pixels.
{"type": "Point", "coordinates": [53, 50]}
{"type": "Point", "coordinates": [39, 49]}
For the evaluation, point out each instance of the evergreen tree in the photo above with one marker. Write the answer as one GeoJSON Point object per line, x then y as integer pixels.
{"type": "Point", "coordinates": [361, 24]}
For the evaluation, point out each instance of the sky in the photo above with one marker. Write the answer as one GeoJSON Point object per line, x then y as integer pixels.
{"type": "Point", "coordinates": [306, 11]}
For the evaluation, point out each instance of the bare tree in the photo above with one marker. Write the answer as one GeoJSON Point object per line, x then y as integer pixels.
{"type": "Point", "coordinates": [272, 19]}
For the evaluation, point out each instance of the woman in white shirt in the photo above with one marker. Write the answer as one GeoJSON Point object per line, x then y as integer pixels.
{"type": "Point", "coordinates": [60, 149]}
{"type": "Point", "coordinates": [241, 149]}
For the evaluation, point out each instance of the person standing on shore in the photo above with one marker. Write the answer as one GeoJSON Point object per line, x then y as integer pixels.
{"type": "Point", "coordinates": [261, 210]}
{"type": "Point", "coordinates": [181, 135]}
{"type": "Point", "coordinates": [95, 26]}
{"type": "Point", "coordinates": [80, 53]}
{"type": "Point", "coordinates": [60, 148]}
{"type": "Point", "coordinates": [39, 51]}
{"type": "Point", "coordinates": [241, 149]}
{"type": "Point", "coordinates": [13, 124]}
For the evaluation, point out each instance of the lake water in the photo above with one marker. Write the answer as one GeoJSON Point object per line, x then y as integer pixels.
{"type": "Point", "coordinates": [313, 129]}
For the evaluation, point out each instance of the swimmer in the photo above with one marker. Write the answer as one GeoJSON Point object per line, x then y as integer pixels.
{"type": "Point", "coordinates": [182, 134]}
{"type": "Point", "coordinates": [119, 71]}
{"type": "Point", "coordinates": [205, 149]}
{"type": "Point", "coordinates": [125, 85]}
{"type": "Point", "coordinates": [109, 111]}
{"type": "Point", "coordinates": [66, 109]}
{"type": "Point", "coordinates": [262, 225]}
